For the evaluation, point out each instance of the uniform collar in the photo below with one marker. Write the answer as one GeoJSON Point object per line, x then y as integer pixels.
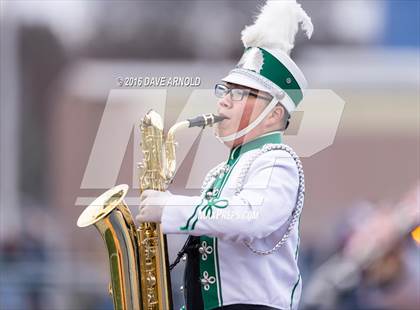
{"type": "Point", "coordinates": [270, 137]}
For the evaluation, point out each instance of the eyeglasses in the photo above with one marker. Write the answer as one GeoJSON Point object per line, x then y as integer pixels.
{"type": "Point", "coordinates": [236, 94]}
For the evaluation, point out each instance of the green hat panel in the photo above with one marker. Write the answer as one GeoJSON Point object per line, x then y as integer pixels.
{"type": "Point", "coordinates": [270, 67]}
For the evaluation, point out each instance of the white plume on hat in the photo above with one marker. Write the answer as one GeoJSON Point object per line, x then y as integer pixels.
{"type": "Point", "coordinates": [276, 26]}
{"type": "Point", "coordinates": [272, 36]}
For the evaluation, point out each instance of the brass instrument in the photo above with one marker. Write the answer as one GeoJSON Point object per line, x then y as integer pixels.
{"type": "Point", "coordinates": [138, 257]}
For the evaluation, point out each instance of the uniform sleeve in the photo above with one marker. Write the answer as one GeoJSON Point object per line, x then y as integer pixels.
{"type": "Point", "coordinates": [262, 207]}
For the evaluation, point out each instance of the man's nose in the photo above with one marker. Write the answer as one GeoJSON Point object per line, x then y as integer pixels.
{"type": "Point", "coordinates": [224, 102]}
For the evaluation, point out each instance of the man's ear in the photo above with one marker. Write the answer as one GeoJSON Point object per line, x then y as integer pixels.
{"type": "Point", "coordinates": [277, 114]}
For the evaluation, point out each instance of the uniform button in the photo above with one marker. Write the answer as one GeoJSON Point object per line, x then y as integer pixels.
{"type": "Point", "coordinates": [181, 288]}
{"type": "Point", "coordinates": [201, 250]}
{"type": "Point", "coordinates": [184, 257]}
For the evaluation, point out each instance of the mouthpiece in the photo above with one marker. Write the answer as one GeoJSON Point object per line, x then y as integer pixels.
{"type": "Point", "coordinates": [205, 120]}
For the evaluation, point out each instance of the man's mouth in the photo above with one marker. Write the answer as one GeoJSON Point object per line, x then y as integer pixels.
{"type": "Point", "coordinates": [224, 116]}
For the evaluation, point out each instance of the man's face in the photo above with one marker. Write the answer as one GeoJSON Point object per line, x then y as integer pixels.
{"type": "Point", "coordinates": [240, 113]}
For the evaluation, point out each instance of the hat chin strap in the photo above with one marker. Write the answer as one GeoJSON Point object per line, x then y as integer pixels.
{"type": "Point", "coordinates": [251, 126]}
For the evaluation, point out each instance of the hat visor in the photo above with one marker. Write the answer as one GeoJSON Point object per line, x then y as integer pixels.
{"type": "Point", "coordinates": [237, 78]}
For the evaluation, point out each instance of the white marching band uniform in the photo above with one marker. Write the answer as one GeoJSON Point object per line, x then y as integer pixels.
{"type": "Point", "coordinates": [230, 272]}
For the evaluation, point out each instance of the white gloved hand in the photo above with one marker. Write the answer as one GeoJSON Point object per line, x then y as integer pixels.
{"type": "Point", "coordinates": [151, 205]}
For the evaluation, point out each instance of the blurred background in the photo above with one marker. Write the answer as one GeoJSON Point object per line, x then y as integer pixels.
{"type": "Point", "coordinates": [59, 62]}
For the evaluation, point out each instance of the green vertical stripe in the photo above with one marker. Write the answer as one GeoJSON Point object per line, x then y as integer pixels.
{"type": "Point", "coordinates": [212, 297]}
{"type": "Point", "coordinates": [219, 283]}
{"type": "Point", "coordinates": [296, 256]}
{"type": "Point", "coordinates": [293, 292]}
{"type": "Point", "coordinates": [298, 241]}
{"type": "Point", "coordinates": [210, 291]}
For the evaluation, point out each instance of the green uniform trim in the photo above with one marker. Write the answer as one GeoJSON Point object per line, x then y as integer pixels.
{"type": "Point", "coordinates": [271, 137]}
{"type": "Point", "coordinates": [296, 258]}
{"type": "Point", "coordinates": [212, 298]}
{"type": "Point", "coordinates": [211, 292]}
{"type": "Point", "coordinates": [209, 259]}
{"type": "Point", "coordinates": [293, 292]}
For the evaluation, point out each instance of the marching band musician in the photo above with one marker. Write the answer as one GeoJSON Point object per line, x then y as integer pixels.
{"type": "Point", "coordinates": [236, 261]}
